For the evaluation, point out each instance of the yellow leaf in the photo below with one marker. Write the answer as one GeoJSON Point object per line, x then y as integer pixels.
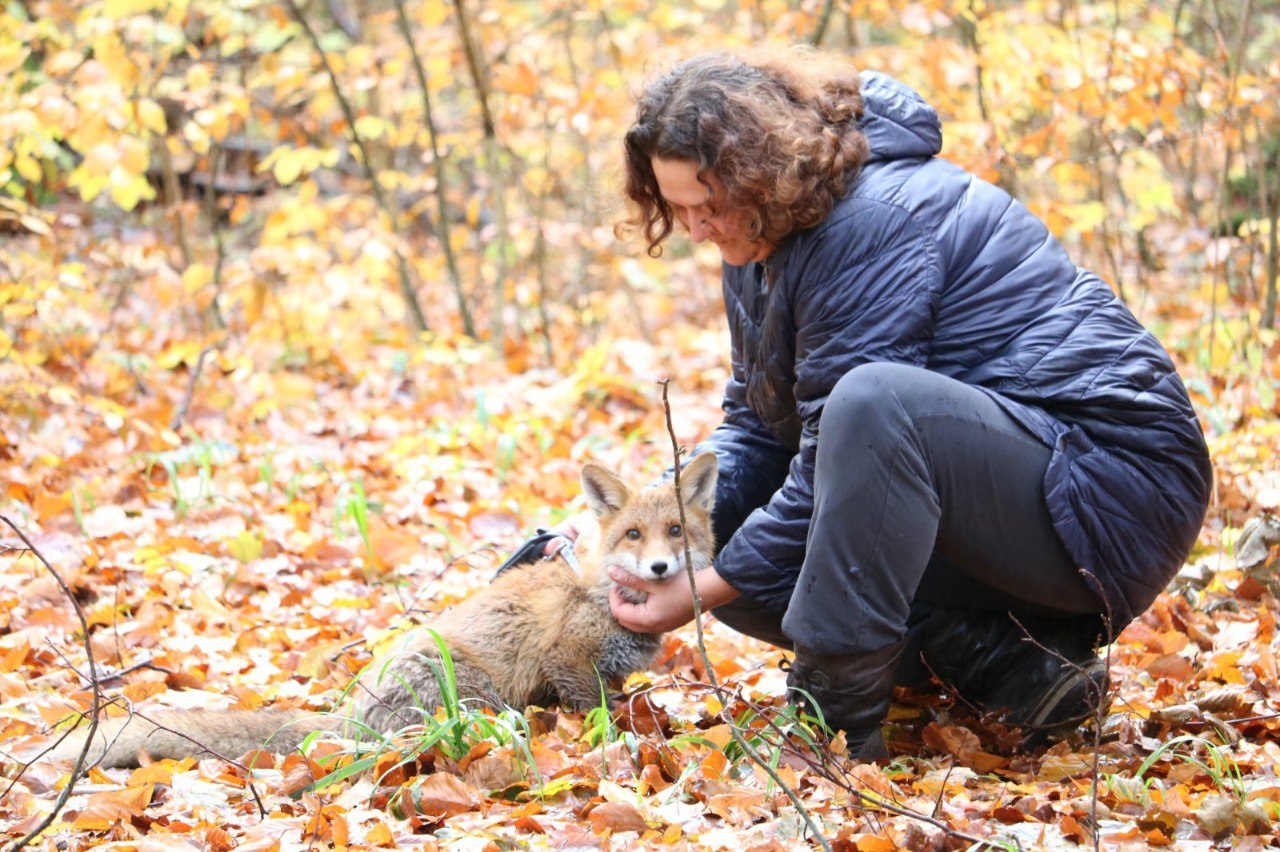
{"type": "Point", "coordinates": [263, 407]}
{"type": "Point", "coordinates": [12, 55]}
{"type": "Point", "coordinates": [1085, 217]}
{"type": "Point", "coordinates": [196, 277]}
{"type": "Point", "coordinates": [239, 106]}
{"type": "Point", "coordinates": [245, 547]}
{"type": "Point", "coordinates": [439, 67]}
{"type": "Point", "coordinates": [1225, 667]}
{"type": "Point", "coordinates": [212, 120]}
{"type": "Point", "coordinates": [378, 641]}
{"type": "Point", "coordinates": [54, 112]}
{"type": "Point", "coordinates": [434, 13]}
{"type": "Point", "coordinates": [121, 9]}
{"type": "Point", "coordinates": [183, 352]}
{"type": "Point", "coordinates": [62, 395]}
{"type": "Point", "coordinates": [199, 77]}
{"type": "Point", "coordinates": [370, 127]}
{"type": "Point", "coordinates": [134, 155]}
{"type": "Point", "coordinates": [113, 413]}
{"type": "Point", "coordinates": [315, 662]}
{"type": "Point", "coordinates": [537, 181]}
{"type": "Point", "coordinates": [151, 116]}
{"type": "Point", "coordinates": [109, 50]}
{"type": "Point", "coordinates": [1147, 185]}
{"type": "Point", "coordinates": [288, 167]}
{"type": "Point", "coordinates": [202, 602]}
{"type": "Point", "coordinates": [29, 168]}
{"type": "Point", "coordinates": [127, 190]}
{"type": "Point", "coordinates": [379, 835]}
{"type": "Point", "coordinates": [89, 184]}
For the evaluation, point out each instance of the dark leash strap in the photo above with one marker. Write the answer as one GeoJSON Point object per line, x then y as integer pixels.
{"type": "Point", "coordinates": [533, 551]}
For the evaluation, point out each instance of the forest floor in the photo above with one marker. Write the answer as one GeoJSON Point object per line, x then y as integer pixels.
{"type": "Point", "coordinates": [242, 518]}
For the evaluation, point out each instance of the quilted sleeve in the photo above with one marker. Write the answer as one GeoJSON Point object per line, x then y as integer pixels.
{"type": "Point", "coordinates": [864, 289]}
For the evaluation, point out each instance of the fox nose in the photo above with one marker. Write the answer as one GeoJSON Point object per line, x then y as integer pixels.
{"type": "Point", "coordinates": [658, 568]}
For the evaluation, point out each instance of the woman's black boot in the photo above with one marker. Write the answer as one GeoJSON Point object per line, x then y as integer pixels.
{"type": "Point", "coordinates": [1044, 672]}
{"type": "Point", "coordinates": [851, 693]}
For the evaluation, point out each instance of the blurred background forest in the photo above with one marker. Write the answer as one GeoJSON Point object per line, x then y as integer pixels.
{"type": "Point", "coordinates": [309, 306]}
{"type": "Point", "coordinates": [261, 192]}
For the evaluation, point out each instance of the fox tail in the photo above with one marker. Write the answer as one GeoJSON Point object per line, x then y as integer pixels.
{"type": "Point", "coordinates": [164, 734]}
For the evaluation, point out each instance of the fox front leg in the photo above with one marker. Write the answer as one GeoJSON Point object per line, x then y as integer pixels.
{"type": "Point", "coordinates": [578, 689]}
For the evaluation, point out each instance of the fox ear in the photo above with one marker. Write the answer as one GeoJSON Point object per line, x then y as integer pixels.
{"type": "Point", "coordinates": [605, 492]}
{"type": "Point", "coordinates": [698, 480]}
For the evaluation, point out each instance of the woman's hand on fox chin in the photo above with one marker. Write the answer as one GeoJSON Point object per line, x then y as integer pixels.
{"type": "Point", "coordinates": [670, 602]}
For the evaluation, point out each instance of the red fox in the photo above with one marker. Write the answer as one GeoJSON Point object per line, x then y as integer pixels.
{"type": "Point", "coordinates": [538, 634]}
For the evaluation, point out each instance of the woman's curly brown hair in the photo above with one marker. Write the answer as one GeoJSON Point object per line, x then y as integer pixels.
{"type": "Point", "coordinates": [777, 127]}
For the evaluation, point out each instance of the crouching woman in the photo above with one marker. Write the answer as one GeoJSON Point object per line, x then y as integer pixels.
{"type": "Point", "coordinates": [940, 434]}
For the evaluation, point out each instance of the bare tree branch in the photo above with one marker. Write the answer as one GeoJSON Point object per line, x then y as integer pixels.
{"type": "Point", "coordinates": [824, 19]}
{"type": "Point", "coordinates": [437, 163]}
{"type": "Point", "coordinates": [416, 316]}
{"type": "Point", "coordinates": [492, 161]}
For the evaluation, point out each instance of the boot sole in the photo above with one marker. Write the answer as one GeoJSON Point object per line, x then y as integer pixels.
{"type": "Point", "coordinates": [1076, 696]}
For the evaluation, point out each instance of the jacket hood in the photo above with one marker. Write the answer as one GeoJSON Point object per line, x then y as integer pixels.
{"type": "Point", "coordinates": [898, 123]}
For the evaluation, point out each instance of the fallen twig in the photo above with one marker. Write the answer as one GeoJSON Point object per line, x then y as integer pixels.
{"type": "Point", "coordinates": [95, 707]}
{"type": "Point", "coordinates": [1099, 703]}
{"type": "Point", "coordinates": [821, 765]}
{"type": "Point", "coordinates": [185, 405]}
{"type": "Point", "coordinates": [746, 747]}
{"type": "Point", "coordinates": [95, 682]}
{"type": "Point", "coordinates": [105, 677]}
{"type": "Point", "coordinates": [262, 810]}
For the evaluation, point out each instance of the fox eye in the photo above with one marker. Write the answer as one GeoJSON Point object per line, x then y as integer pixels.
{"type": "Point", "coordinates": [675, 531]}
{"type": "Point", "coordinates": [633, 534]}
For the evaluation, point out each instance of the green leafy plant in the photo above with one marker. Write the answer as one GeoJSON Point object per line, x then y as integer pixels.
{"type": "Point", "coordinates": [77, 507]}
{"type": "Point", "coordinates": [202, 457]}
{"type": "Point", "coordinates": [599, 728]}
{"type": "Point", "coordinates": [1218, 765]}
{"type": "Point", "coordinates": [768, 734]}
{"type": "Point", "coordinates": [455, 731]}
{"type": "Point", "coordinates": [353, 505]}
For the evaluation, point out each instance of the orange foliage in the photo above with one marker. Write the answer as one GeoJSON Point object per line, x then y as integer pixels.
{"type": "Point", "coordinates": [216, 423]}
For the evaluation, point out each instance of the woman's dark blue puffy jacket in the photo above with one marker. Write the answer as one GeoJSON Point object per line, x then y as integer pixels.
{"type": "Point", "coordinates": [924, 264]}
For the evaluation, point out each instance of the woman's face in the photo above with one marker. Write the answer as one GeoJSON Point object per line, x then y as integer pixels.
{"type": "Point", "coordinates": [700, 208]}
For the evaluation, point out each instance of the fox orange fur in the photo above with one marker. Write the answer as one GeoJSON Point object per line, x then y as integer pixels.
{"type": "Point", "coordinates": [538, 634]}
